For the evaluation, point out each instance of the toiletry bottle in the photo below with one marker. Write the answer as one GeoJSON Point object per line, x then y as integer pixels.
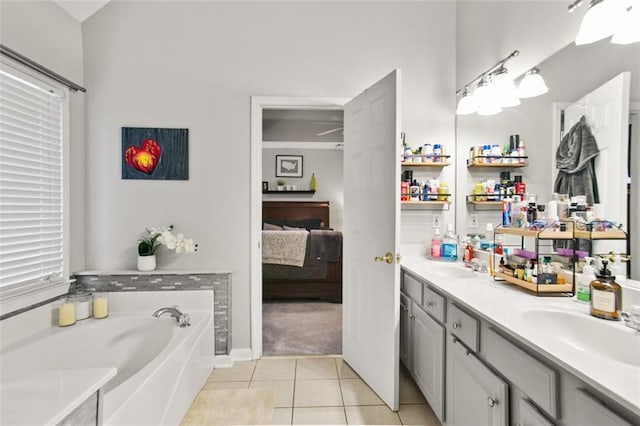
{"type": "Point", "coordinates": [521, 188]}
{"type": "Point", "coordinates": [487, 242]}
{"type": "Point", "coordinates": [450, 244]}
{"type": "Point", "coordinates": [606, 295]}
{"type": "Point", "coordinates": [436, 244]}
{"type": "Point", "coordinates": [583, 281]}
{"type": "Point", "coordinates": [468, 253]}
{"type": "Point", "coordinates": [414, 189]}
{"type": "Point", "coordinates": [521, 151]}
{"type": "Point", "coordinates": [506, 212]}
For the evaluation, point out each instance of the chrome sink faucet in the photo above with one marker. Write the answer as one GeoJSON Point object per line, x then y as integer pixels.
{"type": "Point", "coordinates": [632, 318]}
{"type": "Point", "coordinates": [183, 319]}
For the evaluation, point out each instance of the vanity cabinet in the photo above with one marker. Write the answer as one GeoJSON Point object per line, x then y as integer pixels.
{"type": "Point", "coordinates": [405, 330]}
{"type": "Point", "coordinates": [530, 416]}
{"type": "Point", "coordinates": [592, 412]}
{"type": "Point", "coordinates": [428, 359]}
{"type": "Point", "coordinates": [475, 395]}
{"type": "Point", "coordinates": [473, 371]}
{"type": "Point", "coordinates": [422, 339]}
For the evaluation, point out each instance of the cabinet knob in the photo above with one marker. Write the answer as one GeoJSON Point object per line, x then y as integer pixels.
{"type": "Point", "coordinates": [412, 316]}
{"type": "Point", "coordinates": [430, 303]}
{"type": "Point", "coordinates": [492, 401]}
{"type": "Point", "coordinates": [456, 325]}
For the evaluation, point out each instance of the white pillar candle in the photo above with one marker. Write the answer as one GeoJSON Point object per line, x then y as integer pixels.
{"type": "Point", "coordinates": [100, 306]}
{"type": "Point", "coordinates": [67, 314]}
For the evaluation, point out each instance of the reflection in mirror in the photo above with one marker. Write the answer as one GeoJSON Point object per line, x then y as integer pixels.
{"type": "Point", "coordinates": [570, 74]}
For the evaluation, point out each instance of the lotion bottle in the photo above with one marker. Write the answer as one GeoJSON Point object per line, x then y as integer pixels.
{"type": "Point", "coordinates": [583, 282]}
{"type": "Point", "coordinates": [436, 244]}
{"type": "Point", "coordinates": [606, 295]}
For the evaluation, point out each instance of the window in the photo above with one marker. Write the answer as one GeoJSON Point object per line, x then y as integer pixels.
{"type": "Point", "coordinates": [32, 184]}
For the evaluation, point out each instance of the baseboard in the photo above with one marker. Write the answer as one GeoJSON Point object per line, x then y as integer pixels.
{"type": "Point", "coordinates": [242, 354]}
{"type": "Point", "coordinates": [226, 361]}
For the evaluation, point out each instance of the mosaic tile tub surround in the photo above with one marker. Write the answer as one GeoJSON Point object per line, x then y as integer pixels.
{"type": "Point", "coordinates": [218, 282]}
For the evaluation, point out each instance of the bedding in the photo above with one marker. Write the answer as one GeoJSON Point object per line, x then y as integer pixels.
{"type": "Point", "coordinates": [320, 274]}
{"type": "Point", "coordinates": [284, 247]}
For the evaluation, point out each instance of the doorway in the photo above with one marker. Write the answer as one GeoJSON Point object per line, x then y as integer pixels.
{"type": "Point", "coordinates": [290, 129]}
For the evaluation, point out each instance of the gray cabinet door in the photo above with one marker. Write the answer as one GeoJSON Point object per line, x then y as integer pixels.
{"type": "Point", "coordinates": [475, 396]}
{"type": "Point", "coordinates": [530, 416]}
{"type": "Point", "coordinates": [405, 331]}
{"type": "Point", "coordinates": [428, 359]}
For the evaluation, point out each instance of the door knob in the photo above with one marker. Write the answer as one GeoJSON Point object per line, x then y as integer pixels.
{"type": "Point", "coordinates": [388, 257]}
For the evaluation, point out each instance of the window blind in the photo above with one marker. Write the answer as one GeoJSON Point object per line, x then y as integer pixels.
{"type": "Point", "coordinates": [31, 182]}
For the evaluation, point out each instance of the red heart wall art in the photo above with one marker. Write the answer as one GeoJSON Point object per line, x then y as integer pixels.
{"type": "Point", "coordinates": [143, 159]}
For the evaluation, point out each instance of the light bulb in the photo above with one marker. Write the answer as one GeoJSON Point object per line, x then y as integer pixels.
{"type": "Point", "coordinates": [628, 31]}
{"type": "Point", "coordinates": [532, 84]}
{"type": "Point", "coordinates": [467, 103]}
{"type": "Point", "coordinates": [600, 21]}
{"type": "Point", "coordinates": [485, 96]}
{"type": "Point", "coordinates": [504, 89]}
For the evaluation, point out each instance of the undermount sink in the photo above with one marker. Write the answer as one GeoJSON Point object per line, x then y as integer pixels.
{"type": "Point", "coordinates": [588, 334]}
{"type": "Point", "coordinates": [449, 271]}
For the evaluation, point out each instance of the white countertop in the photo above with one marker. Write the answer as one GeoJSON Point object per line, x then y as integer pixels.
{"type": "Point", "coordinates": [104, 272]}
{"type": "Point", "coordinates": [502, 305]}
{"type": "Point", "coordinates": [48, 397]}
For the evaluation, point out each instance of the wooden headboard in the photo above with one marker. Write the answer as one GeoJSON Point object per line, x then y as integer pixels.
{"type": "Point", "coordinates": [296, 210]}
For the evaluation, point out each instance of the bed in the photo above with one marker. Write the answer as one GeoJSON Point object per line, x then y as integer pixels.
{"type": "Point", "coordinates": [319, 274]}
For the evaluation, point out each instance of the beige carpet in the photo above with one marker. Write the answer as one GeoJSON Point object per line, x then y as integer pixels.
{"type": "Point", "coordinates": [301, 328]}
{"type": "Point", "coordinates": [231, 407]}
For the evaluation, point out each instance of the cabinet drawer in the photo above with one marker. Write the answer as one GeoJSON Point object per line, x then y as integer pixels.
{"type": "Point", "coordinates": [464, 326]}
{"type": "Point", "coordinates": [536, 380]}
{"type": "Point", "coordinates": [412, 288]}
{"type": "Point", "coordinates": [592, 412]}
{"type": "Point", "coordinates": [433, 303]}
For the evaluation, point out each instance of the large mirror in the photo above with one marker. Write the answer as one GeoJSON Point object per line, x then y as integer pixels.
{"type": "Point", "coordinates": [570, 74]}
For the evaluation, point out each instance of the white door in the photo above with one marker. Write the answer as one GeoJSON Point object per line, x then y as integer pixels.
{"type": "Point", "coordinates": [371, 289]}
{"type": "Point", "coordinates": [607, 113]}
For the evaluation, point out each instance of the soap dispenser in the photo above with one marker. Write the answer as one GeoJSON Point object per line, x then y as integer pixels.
{"type": "Point", "coordinates": [606, 295]}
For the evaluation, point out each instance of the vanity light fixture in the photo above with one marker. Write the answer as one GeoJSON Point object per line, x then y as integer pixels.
{"type": "Point", "coordinates": [629, 29]}
{"type": "Point", "coordinates": [606, 18]}
{"type": "Point", "coordinates": [486, 97]}
{"type": "Point", "coordinates": [467, 104]}
{"type": "Point", "coordinates": [496, 90]}
{"type": "Point", "coordinates": [505, 89]}
{"type": "Point", "coordinates": [532, 84]}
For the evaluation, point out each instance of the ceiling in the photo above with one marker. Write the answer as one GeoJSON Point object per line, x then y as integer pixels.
{"type": "Point", "coordinates": [81, 9]}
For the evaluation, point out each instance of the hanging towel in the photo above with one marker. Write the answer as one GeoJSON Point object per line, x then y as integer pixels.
{"type": "Point", "coordinates": [575, 161]}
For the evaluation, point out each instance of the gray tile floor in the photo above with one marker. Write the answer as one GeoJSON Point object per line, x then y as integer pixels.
{"type": "Point", "coordinates": [323, 390]}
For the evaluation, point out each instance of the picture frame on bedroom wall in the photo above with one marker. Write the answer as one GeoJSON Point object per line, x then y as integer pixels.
{"type": "Point", "coordinates": [289, 166]}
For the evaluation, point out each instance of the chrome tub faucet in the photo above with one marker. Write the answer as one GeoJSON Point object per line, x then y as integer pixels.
{"type": "Point", "coordinates": [183, 319]}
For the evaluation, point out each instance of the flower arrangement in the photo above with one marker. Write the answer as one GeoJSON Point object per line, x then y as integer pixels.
{"type": "Point", "coordinates": [156, 237]}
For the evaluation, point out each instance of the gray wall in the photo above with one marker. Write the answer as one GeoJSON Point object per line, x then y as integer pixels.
{"type": "Point", "coordinates": [195, 65]}
{"type": "Point", "coordinates": [327, 166]}
{"type": "Point", "coordinates": [43, 32]}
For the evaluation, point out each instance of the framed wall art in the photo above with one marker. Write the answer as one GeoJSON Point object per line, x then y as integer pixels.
{"type": "Point", "coordinates": [288, 165]}
{"type": "Point", "coordinates": [155, 153]}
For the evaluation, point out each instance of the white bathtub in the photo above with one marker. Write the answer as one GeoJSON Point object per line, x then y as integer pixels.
{"type": "Point", "coordinates": [161, 367]}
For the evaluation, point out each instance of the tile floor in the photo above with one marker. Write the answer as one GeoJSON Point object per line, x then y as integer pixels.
{"type": "Point", "coordinates": [323, 390]}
